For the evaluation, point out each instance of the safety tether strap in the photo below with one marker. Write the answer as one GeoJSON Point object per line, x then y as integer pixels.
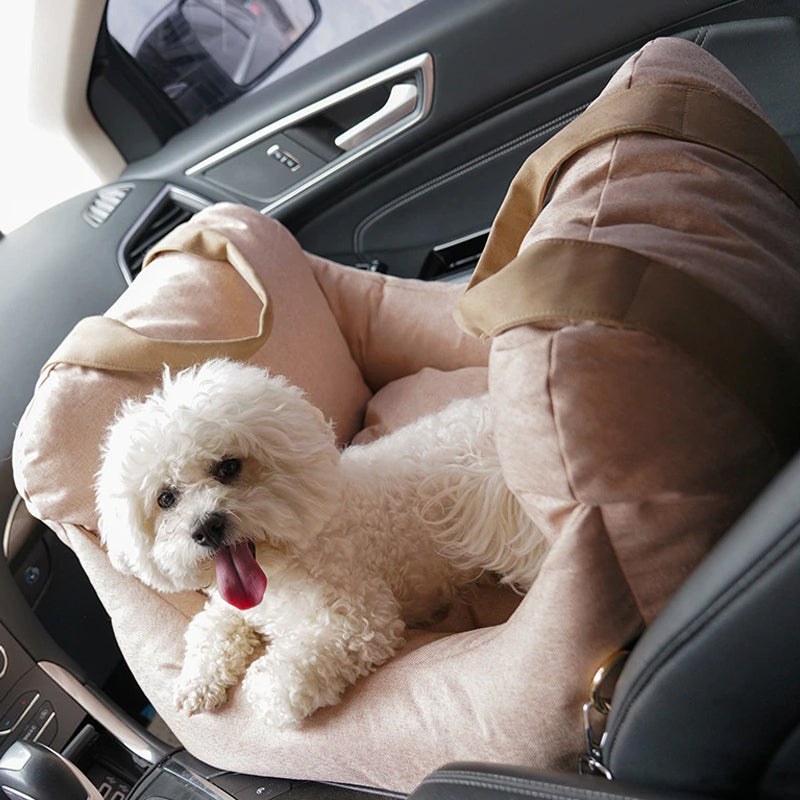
{"type": "Point", "coordinates": [107, 344]}
{"type": "Point", "coordinates": [549, 280]}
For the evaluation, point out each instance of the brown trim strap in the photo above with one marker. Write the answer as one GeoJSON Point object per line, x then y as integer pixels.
{"type": "Point", "coordinates": [549, 281]}
{"type": "Point", "coordinates": [107, 344]}
{"type": "Point", "coordinates": [559, 280]}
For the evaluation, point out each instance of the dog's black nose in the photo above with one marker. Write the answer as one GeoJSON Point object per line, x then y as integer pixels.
{"type": "Point", "coordinates": [211, 530]}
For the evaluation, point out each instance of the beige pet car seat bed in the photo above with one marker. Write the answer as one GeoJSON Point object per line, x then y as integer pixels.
{"type": "Point", "coordinates": [639, 336]}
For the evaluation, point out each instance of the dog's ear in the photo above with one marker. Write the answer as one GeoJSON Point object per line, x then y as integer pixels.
{"type": "Point", "coordinates": [127, 538]}
{"type": "Point", "coordinates": [112, 525]}
{"type": "Point", "coordinates": [275, 420]}
{"type": "Point", "coordinates": [121, 531]}
{"type": "Point", "coordinates": [124, 527]}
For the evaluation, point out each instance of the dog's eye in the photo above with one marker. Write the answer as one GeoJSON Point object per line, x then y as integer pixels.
{"type": "Point", "coordinates": [227, 470]}
{"type": "Point", "coordinates": [167, 498]}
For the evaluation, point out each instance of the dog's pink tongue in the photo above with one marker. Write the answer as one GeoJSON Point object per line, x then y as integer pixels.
{"type": "Point", "coordinates": [240, 580]}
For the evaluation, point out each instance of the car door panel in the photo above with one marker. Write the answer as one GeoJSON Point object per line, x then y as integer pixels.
{"type": "Point", "coordinates": [502, 85]}
{"type": "Point", "coordinates": [485, 55]}
{"type": "Point", "coordinates": [448, 191]}
{"type": "Point", "coordinates": [455, 188]}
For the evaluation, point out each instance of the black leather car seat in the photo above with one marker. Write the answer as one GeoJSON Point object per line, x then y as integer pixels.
{"type": "Point", "coordinates": [710, 697]}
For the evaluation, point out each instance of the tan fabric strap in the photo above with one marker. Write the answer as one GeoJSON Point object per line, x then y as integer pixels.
{"type": "Point", "coordinates": [550, 282]}
{"type": "Point", "coordinates": [105, 343]}
{"type": "Point", "coordinates": [678, 112]}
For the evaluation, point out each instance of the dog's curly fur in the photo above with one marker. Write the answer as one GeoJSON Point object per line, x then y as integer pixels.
{"type": "Point", "coordinates": [355, 545]}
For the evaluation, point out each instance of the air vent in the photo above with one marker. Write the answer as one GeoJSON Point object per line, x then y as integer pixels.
{"type": "Point", "coordinates": [169, 210]}
{"type": "Point", "coordinates": [104, 203]}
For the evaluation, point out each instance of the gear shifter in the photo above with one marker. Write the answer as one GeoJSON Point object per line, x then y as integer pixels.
{"type": "Point", "coordinates": [30, 771]}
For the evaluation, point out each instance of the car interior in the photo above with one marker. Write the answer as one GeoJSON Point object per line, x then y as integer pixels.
{"type": "Point", "coordinates": [390, 153]}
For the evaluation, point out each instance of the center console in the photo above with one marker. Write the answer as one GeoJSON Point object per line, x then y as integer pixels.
{"type": "Point", "coordinates": [56, 649]}
{"type": "Point", "coordinates": [44, 703]}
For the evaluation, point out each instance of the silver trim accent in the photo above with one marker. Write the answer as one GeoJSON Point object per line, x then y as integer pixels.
{"type": "Point", "coordinates": [7, 529]}
{"type": "Point", "coordinates": [22, 715]}
{"type": "Point", "coordinates": [460, 274]}
{"type": "Point", "coordinates": [190, 199]}
{"type": "Point", "coordinates": [15, 793]}
{"type": "Point", "coordinates": [44, 727]}
{"type": "Point", "coordinates": [105, 202]}
{"type": "Point", "coordinates": [3, 661]}
{"type": "Point", "coordinates": [95, 707]}
{"type": "Point", "coordinates": [461, 239]}
{"type": "Point", "coordinates": [421, 64]}
{"type": "Point", "coordinates": [402, 100]}
{"type": "Point", "coordinates": [457, 276]}
{"type": "Point", "coordinates": [19, 527]}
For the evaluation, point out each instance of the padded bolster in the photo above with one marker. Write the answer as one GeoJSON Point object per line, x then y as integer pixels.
{"type": "Point", "coordinates": [618, 421]}
{"type": "Point", "coordinates": [186, 296]}
{"type": "Point", "coordinates": [397, 326]}
{"type": "Point", "coordinates": [646, 352]}
{"type": "Point", "coordinates": [697, 247]}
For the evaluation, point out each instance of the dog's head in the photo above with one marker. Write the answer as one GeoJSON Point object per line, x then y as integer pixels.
{"type": "Point", "coordinates": [221, 458]}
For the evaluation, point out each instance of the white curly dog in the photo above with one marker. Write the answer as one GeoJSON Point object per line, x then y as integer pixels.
{"type": "Point", "coordinates": [226, 479]}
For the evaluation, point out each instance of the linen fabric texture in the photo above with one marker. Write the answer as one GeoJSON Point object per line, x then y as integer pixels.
{"type": "Point", "coordinates": [628, 454]}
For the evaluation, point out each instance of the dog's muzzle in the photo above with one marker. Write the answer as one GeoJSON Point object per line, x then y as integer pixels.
{"type": "Point", "coordinates": [211, 530]}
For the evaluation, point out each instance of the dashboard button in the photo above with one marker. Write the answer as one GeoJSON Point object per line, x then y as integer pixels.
{"type": "Point", "coordinates": [17, 711]}
{"type": "Point", "coordinates": [262, 790]}
{"type": "Point", "coordinates": [251, 787]}
{"type": "Point", "coordinates": [41, 727]}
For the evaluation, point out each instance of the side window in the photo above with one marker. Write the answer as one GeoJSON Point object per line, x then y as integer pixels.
{"type": "Point", "coordinates": [202, 54]}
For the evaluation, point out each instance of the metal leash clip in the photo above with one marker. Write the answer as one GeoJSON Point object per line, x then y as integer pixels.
{"type": "Point", "coordinates": [603, 682]}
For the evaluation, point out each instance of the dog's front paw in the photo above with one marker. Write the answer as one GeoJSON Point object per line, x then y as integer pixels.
{"type": "Point", "coordinates": [192, 695]}
{"type": "Point", "coordinates": [284, 695]}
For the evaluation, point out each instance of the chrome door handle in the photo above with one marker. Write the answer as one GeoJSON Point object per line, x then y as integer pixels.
{"type": "Point", "coordinates": [401, 102]}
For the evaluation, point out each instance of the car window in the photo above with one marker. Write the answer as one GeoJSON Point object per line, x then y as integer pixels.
{"type": "Point", "coordinates": [202, 54]}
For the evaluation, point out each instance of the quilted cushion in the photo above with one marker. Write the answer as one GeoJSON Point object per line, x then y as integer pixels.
{"type": "Point", "coordinates": [629, 455]}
